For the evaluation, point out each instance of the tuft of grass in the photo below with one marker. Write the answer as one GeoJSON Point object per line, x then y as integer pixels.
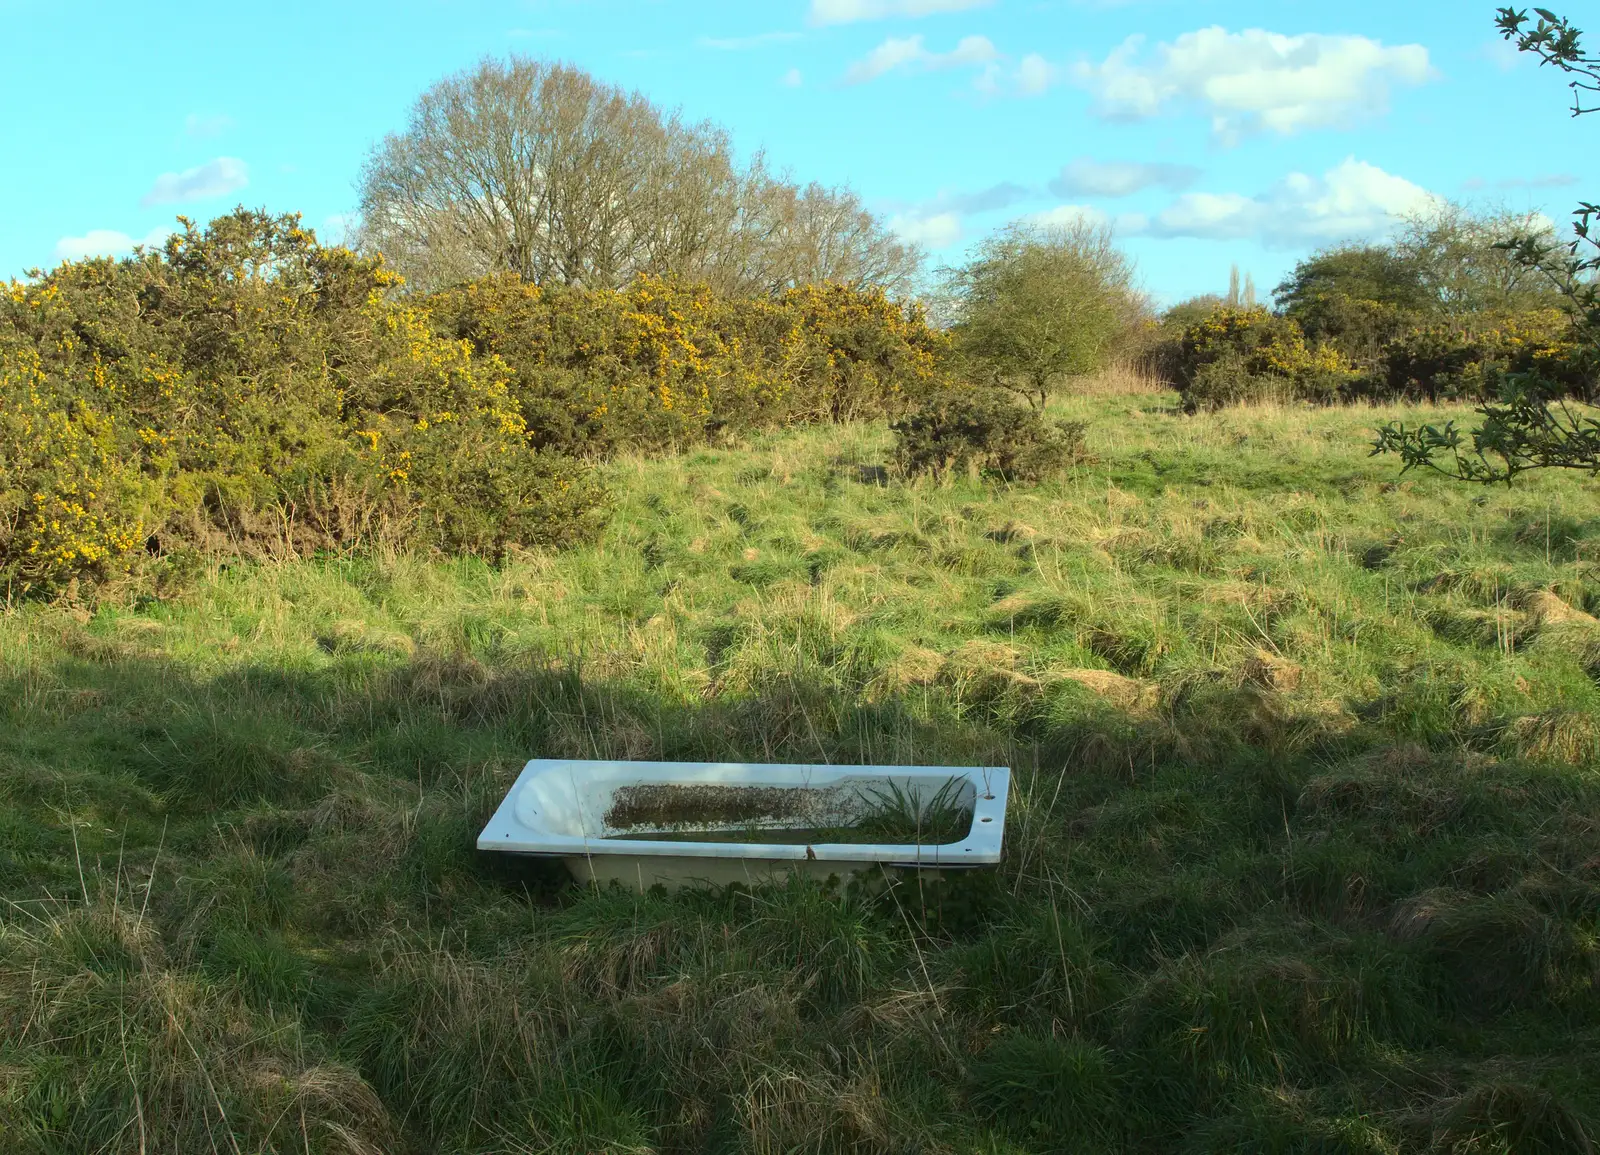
{"type": "Point", "coordinates": [1053, 1094]}
{"type": "Point", "coordinates": [1506, 1117]}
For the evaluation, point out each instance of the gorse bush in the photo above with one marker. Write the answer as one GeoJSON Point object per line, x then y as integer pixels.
{"type": "Point", "coordinates": [984, 430]}
{"type": "Point", "coordinates": [860, 355]}
{"type": "Point", "coordinates": [247, 389]}
{"type": "Point", "coordinates": [1237, 354]}
{"type": "Point", "coordinates": [1218, 355]}
{"type": "Point", "coordinates": [663, 363]}
{"type": "Point", "coordinates": [244, 389]}
{"type": "Point", "coordinates": [1446, 310]}
{"type": "Point", "coordinates": [1436, 361]}
{"type": "Point", "coordinates": [69, 505]}
{"type": "Point", "coordinates": [1360, 330]}
{"type": "Point", "coordinates": [593, 370]}
{"type": "Point", "coordinates": [1447, 362]}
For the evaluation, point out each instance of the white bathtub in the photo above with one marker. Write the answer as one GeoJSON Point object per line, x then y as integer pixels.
{"type": "Point", "coordinates": [587, 814]}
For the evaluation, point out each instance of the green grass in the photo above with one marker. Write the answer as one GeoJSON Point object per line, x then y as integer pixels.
{"type": "Point", "coordinates": [1303, 852]}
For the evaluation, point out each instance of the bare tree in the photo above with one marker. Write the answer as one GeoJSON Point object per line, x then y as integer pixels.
{"type": "Point", "coordinates": [538, 169]}
{"type": "Point", "coordinates": [1465, 262]}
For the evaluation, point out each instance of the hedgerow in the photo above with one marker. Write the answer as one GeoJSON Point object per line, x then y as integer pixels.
{"type": "Point", "coordinates": [663, 363]}
{"type": "Point", "coordinates": [1229, 355]}
{"type": "Point", "coordinates": [1465, 360]}
{"type": "Point", "coordinates": [245, 390]}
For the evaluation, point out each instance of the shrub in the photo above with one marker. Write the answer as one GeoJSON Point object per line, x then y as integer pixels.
{"type": "Point", "coordinates": [1234, 355]}
{"type": "Point", "coordinates": [663, 362]}
{"type": "Point", "coordinates": [1359, 297]}
{"type": "Point", "coordinates": [983, 430]}
{"type": "Point", "coordinates": [1469, 360]}
{"type": "Point", "coordinates": [594, 369]}
{"type": "Point", "coordinates": [1229, 381]}
{"type": "Point", "coordinates": [1435, 361]}
{"type": "Point", "coordinates": [860, 355]}
{"type": "Point", "coordinates": [70, 508]}
{"type": "Point", "coordinates": [246, 389]}
{"type": "Point", "coordinates": [1035, 305]}
{"type": "Point", "coordinates": [1359, 330]}
{"type": "Point", "coordinates": [1160, 349]}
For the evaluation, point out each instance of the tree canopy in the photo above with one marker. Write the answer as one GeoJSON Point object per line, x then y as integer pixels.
{"type": "Point", "coordinates": [1035, 304]}
{"type": "Point", "coordinates": [538, 169]}
{"type": "Point", "coordinates": [1368, 272]}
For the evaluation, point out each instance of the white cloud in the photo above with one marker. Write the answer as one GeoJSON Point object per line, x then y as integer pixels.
{"type": "Point", "coordinates": [1352, 200]}
{"type": "Point", "coordinates": [1032, 76]}
{"type": "Point", "coordinates": [994, 197]}
{"type": "Point", "coordinates": [968, 50]}
{"type": "Point", "coordinates": [1538, 222]}
{"type": "Point", "coordinates": [205, 127]}
{"type": "Point", "coordinates": [741, 43]}
{"type": "Point", "coordinates": [1120, 178]}
{"type": "Point", "coordinates": [891, 54]}
{"type": "Point", "coordinates": [1254, 81]}
{"type": "Point", "coordinates": [898, 53]}
{"type": "Point", "coordinates": [939, 231]}
{"type": "Point", "coordinates": [850, 11]}
{"type": "Point", "coordinates": [215, 178]}
{"type": "Point", "coordinates": [940, 222]}
{"type": "Point", "coordinates": [1550, 180]}
{"type": "Point", "coordinates": [106, 243]}
{"type": "Point", "coordinates": [1066, 216]}
{"type": "Point", "coordinates": [1035, 75]}
{"type": "Point", "coordinates": [793, 78]}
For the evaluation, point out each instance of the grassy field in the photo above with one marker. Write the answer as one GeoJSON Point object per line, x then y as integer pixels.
{"type": "Point", "coordinates": [1303, 854]}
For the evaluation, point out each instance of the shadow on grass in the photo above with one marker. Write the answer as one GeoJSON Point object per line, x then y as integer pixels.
{"type": "Point", "coordinates": [1214, 920]}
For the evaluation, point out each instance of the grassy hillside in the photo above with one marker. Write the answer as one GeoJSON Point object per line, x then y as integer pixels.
{"type": "Point", "coordinates": [1303, 856]}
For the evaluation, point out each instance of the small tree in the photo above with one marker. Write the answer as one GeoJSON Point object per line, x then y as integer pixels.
{"type": "Point", "coordinates": [1356, 297]}
{"type": "Point", "coordinates": [1240, 297]}
{"type": "Point", "coordinates": [1381, 274]}
{"type": "Point", "coordinates": [1534, 424]}
{"type": "Point", "coordinates": [1036, 304]}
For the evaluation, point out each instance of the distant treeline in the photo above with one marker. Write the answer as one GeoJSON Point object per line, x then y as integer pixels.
{"type": "Point", "coordinates": [1449, 310]}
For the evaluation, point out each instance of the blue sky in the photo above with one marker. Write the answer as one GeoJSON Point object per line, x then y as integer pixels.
{"type": "Point", "coordinates": [1209, 132]}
